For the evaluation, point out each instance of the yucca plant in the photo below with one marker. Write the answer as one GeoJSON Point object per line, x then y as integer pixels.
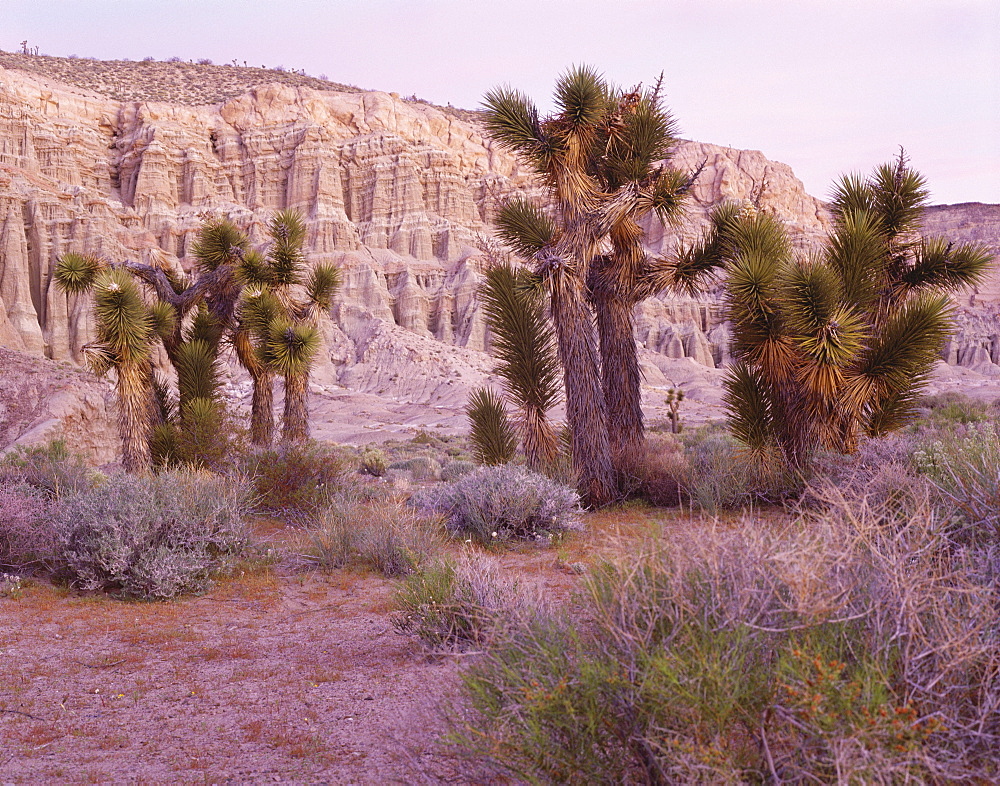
{"type": "Point", "coordinates": [602, 156]}
{"type": "Point", "coordinates": [631, 164]}
{"type": "Point", "coordinates": [494, 440]}
{"type": "Point", "coordinates": [562, 245]}
{"type": "Point", "coordinates": [839, 344]}
{"type": "Point", "coordinates": [125, 334]}
{"type": "Point", "coordinates": [277, 330]}
{"type": "Point", "coordinates": [526, 358]}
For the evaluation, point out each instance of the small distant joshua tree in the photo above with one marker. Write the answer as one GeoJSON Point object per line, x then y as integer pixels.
{"type": "Point", "coordinates": [673, 401]}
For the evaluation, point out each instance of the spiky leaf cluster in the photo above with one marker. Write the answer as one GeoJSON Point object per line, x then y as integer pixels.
{"type": "Point", "coordinates": [491, 432]}
{"type": "Point", "coordinates": [526, 356]}
{"type": "Point", "coordinates": [838, 345]}
{"type": "Point", "coordinates": [219, 242]}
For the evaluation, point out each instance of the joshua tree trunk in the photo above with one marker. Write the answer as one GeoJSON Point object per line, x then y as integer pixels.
{"type": "Point", "coordinates": [262, 401]}
{"type": "Point", "coordinates": [296, 416]}
{"type": "Point", "coordinates": [538, 438]}
{"type": "Point", "coordinates": [133, 415]}
{"type": "Point", "coordinates": [262, 409]}
{"type": "Point", "coordinates": [622, 383]}
{"type": "Point", "coordinates": [585, 409]}
{"type": "Point", "coordinates": [617, 283]}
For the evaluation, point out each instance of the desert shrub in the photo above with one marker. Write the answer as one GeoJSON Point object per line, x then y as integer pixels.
{"type": "Point", "coordinates": [724, 476]}
{"type": "Point", "coordinates": [951, 408]}
{"type": "Point", "coordinates": [50, 468]}
{"type": "Point", "coordinates": [384, 535]}
{"type": "Point", "coordinates": [455, 469]}
{"type": "Point", "coordinates": [963, 464]}
{"type": "Point", "coordinates": [459, 603]}
{"type": "Point", "coordinates": [206, 435]}
{"type": "Point", "coordinates": [151, 537]}
{"type": "Point", "coordinates": [420, 467]}
{"type": "Point", "coordinates": [374, 461]}
{"type": "Point", "coordinates": [853, 647]}
{"type": "Point", "coordinates": [27, 537]}
{"type": "Point", "coordinates": [502, 503]}
{"type": "Point", "coordinates": [297, 480]}
{"type": "Point", "coordinates": [664, 473]}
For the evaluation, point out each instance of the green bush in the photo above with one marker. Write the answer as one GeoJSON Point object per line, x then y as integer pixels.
{"type": "Point", "coordinates": [298, 479]}
{"type": "Point", "coordinates": [51, 468]}
{"type": "Point", "coordinates": [855, 647]}
{"type": "Point", "coordinates": [949, 409]}
{"type": "Point", "coordinates": [502, 503]}
{"type": "Point", "coordinates": [374, 461]}
{"type": "Point", "coordinates": [151, 537]}
{"type": "Point", "coordinates": [455, 604]}
{"type": "Point", "coordinates": [420, 467]}
{"type": "Point", "coordinates": [963, 464]}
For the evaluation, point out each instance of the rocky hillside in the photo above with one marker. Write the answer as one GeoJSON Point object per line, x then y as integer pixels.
{"type": "Point", "coordinates": [128, 159]}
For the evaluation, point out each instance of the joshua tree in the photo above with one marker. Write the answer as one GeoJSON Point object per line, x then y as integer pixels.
{"type": "Point", "coordinates": [563, 247]}
{"type": "Point", "coordinates": [634, 139]}
{"type": "Point", "coordinates": [126, 331]}
{"type": "Point", "coordinates": [840, 344]}
{"type": "Point", "coordinates": [673, 401]}
{"type": "Point", "coordinates": [127, 327]}
{"type": "Point", "coordinates": [602, 157]}
{"type": "Point", "coordinates": [277, 321]}
{"type": "Point", "coordinates": [527, 363]}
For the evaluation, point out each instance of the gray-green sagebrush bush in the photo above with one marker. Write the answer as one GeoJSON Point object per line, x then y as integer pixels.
{"type": "Point", "coordinates": [858, 646]}
{"type": "Point", "coordinates": [151, 537]}
{"type": "Point", "coordinates": [27, 538]}
{"type": "Point", "coordinates": [502, 503]}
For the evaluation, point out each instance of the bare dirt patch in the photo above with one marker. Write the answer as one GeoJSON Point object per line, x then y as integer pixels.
{"type": "Point", "coordinates": [269, 677]}
{"type": "Point", "coordinates": [276, 675]}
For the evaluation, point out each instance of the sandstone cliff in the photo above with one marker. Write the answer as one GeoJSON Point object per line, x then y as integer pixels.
{"type": "Point", "coordinates": [397, 192]}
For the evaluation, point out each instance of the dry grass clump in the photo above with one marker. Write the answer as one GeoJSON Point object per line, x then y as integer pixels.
{"type": "Point", "coordinates": [707, 469]}
{"type": "Point", "coordinates": [27, 537]}
{"type": "Point", "coordinates": [858, 646]}
{"type": "Point", "coordinates": [297, 481]}
{"type": "Point", "coordinates": [384, 535]}
{"type": "Point", "coordinates": [465, 602]}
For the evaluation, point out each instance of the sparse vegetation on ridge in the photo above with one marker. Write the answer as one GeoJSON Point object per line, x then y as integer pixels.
{"type": "Point", "coordinates": [175, 80]}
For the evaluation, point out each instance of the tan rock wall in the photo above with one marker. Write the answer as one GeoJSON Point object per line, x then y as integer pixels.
{"type": "Point", "coordinates": [395, 192]}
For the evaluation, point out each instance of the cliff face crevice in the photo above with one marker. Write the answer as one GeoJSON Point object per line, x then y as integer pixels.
{"type": "Point", "coordinates": [397, 193]}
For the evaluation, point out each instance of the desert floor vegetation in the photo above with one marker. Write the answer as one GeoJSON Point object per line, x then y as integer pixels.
{"type": "Point", "coordinates": [309, 619]}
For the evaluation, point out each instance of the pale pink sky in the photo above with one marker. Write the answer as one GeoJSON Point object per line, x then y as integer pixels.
{"type": "Point", "coordinates": [827, 86]}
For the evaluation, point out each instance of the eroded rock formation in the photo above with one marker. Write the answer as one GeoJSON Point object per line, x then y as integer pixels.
{"type": "Point", "coordinates": [396, 192]}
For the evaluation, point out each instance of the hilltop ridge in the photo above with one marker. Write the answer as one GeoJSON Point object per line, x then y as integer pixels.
{"type": "Point", "coordinates": [176, 81]}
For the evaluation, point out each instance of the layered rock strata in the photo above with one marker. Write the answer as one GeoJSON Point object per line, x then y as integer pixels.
{"type": "Point", "coordinates": [398, 193]}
